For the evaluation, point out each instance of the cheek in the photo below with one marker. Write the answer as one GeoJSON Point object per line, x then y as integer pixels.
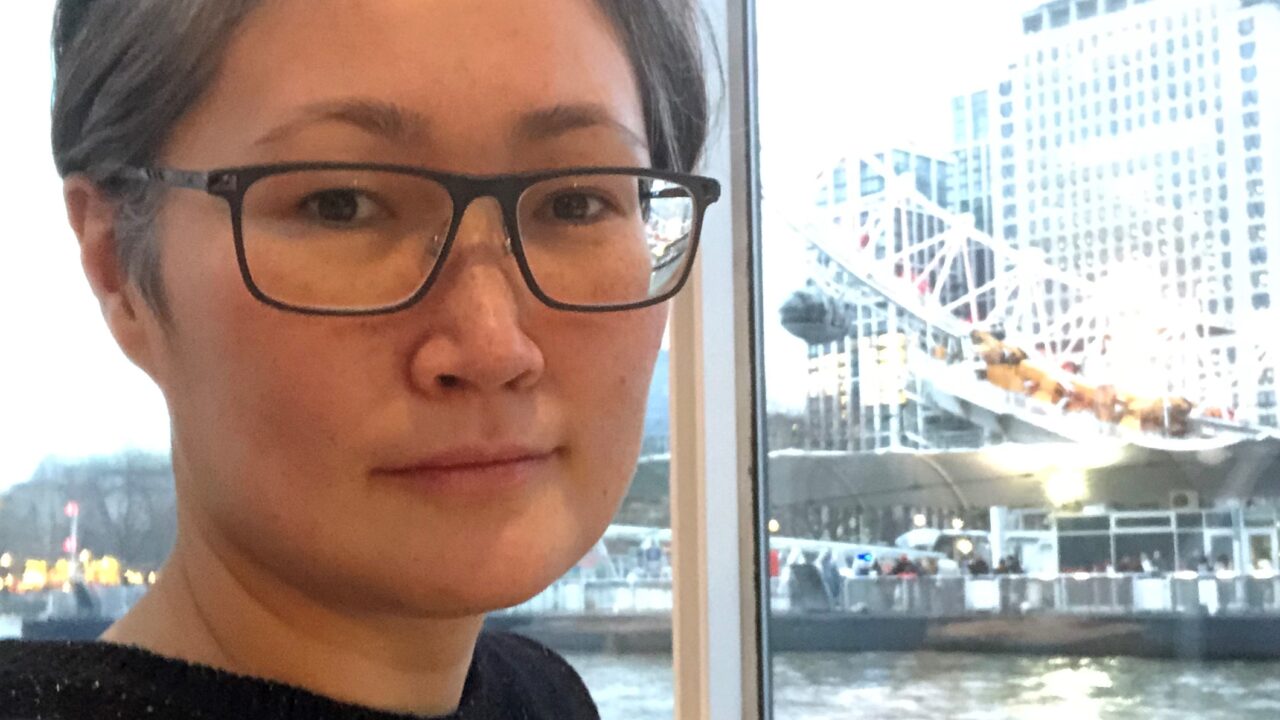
{"type": "Point", "coordinates": [604, 378]}
{"type": "Point", "coordinates": [281, 387]}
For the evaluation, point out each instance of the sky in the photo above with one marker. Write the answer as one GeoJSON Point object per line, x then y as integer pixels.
{"type": "Point", "coordinates": [834, 75]}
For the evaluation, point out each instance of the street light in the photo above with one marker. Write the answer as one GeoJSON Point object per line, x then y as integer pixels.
{"type": "Point", "coordinates": [72, 543]}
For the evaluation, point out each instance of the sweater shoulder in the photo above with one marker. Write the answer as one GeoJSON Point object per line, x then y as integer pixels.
{"type": "Point", "coordinates": [534, 677]}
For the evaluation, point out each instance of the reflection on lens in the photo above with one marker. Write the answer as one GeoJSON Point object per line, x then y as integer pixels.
{"type": "Point", "coordinates": [599, 240]}
{"type": "Point", "coordinates": [343, 239]}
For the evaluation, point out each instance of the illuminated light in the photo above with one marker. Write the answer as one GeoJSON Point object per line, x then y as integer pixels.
{"type": "Point", "coordinates": [71, 509]}
{"type": "Point", "coordinates": [69, 544]}
{"type": "Point", "coordinates": [1064, 487]}
{"type": "Point", "coordinates": [6, 560]}
{"type": "Point", "coordinates": [964, 545]}
{"type": "Point", "coordinates": [1081, 576]}
{"type": "Point", "coordinates": [1213, 456]}
{"type": "Point", "coordinates": [35, 575]}
{"type": "Point", "coordinates": [1018, 458]}
{"type": "Point", "coordinates": [1093, 455]}
{"type": "Point", "coordinates": [957, 524]}
{"type": "Point", "coordinates": [920, 520]}
{"type": "Point", "coordinates": [151, 578]}
{"type": "Point", "coordinates": [85, 555]}
{"type": "Point", "coordinates": [774, 526]}
{"type": "Point", "coordinates": [109, 571]}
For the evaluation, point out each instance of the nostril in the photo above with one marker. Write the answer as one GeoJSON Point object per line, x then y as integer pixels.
{"type": "Point", "coordinates": [449, 381]}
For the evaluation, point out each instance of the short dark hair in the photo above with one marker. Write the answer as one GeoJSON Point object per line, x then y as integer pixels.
{"type": "Point", "coordinates": [126, 71]}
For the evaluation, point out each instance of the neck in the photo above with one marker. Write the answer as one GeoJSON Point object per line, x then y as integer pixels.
{"type": "Point", "coordinates": [213, 606]}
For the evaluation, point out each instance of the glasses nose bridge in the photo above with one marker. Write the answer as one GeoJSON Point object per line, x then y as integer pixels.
{"type": "Point", "coordinates": [467, 190]}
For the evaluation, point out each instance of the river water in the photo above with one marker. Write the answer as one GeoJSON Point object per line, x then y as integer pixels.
{"type": "Point", "coordinates": [954, 686]}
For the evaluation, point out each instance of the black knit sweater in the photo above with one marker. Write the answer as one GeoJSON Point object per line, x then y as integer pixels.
{"type": "Point", "coordinates": [511, 678]}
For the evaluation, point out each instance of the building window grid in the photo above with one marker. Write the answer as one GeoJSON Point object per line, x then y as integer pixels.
{"type": "Point", "coordinates": [1200, 84]}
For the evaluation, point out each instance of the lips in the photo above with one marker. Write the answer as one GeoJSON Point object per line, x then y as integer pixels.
{"type": "Point", "coordinates": [471, 471]}
{"type": "Point", "coordinates": [470, 459]}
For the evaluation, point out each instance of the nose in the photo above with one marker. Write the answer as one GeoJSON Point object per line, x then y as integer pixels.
{"type": "Point", "coordinates": [475, 315]}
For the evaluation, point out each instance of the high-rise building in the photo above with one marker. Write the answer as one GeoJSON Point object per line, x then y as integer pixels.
{"type": "Point", "coordinates": [1129, 144]}
{"type": "Point", "coordinates": [970, 177]}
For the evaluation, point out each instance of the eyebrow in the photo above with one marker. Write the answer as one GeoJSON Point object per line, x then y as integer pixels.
{"type": "Point", "coordinates": [376, 117]}
{"type": "Point", "coordinates": [402, 125]}
{"type": "Point", "coordinates": [555, 121]}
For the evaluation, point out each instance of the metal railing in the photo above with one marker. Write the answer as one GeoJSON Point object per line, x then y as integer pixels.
{"type": "Point", "coordinates": [600, 597]}
{"type": "Point", "coordinates": [928, 595]}
{"type": "Point", "coordinates": [949, 595]}
{"type": "Point", "coordinates": [1078, 593]}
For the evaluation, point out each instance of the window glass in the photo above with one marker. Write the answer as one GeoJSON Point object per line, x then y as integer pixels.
{"type": "Point", "coordinates": [982, 440]}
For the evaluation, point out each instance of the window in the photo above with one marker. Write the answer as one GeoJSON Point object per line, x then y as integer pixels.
{"type": "Point", "coordinates": [924, 497]}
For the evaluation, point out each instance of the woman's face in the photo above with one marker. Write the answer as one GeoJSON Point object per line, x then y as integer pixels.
{"type": "Point", "coordinates": [366, 460]}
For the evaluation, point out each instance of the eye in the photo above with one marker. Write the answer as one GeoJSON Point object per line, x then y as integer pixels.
{"type": "Point", "coordinates": [577, 207]}
{"type": "Point", "coordinates": [339, 207]}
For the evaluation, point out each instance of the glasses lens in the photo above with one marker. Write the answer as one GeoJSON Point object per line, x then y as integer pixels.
{"type": "Point", "coordinates": [343, 239]}
{"type": "Point", "coordinates": [599, 240]}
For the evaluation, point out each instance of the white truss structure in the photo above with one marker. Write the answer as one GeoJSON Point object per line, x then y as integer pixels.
{"type": "Point", "coordinates": [1119, 330]}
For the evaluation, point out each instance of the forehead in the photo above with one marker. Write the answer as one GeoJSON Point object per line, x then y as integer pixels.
{"type": "Point", "coordinates": [473, 68]}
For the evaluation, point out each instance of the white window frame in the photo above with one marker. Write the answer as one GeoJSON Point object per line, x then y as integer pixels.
{"type": "Point", "coordinates": [718, 642]}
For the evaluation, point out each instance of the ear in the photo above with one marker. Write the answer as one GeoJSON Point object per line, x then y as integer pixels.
{"type": "Point", "coordinates": [130, 319]}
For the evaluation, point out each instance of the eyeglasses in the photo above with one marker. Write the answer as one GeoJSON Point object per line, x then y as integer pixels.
{"type": "Point", "coordinates": [366, 239]}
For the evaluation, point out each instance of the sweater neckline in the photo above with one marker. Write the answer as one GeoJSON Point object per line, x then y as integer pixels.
{"type": "Point", "coordinates": [134, 662]}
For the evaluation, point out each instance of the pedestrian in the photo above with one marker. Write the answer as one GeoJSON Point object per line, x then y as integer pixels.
{"type": "Point", "coordinates": [904, 566]}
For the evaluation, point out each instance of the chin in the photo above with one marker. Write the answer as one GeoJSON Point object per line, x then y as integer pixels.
{"type": "Point", "coordinates": [475, 594]}
{"type": "Point", "coordinates": [465, 584]}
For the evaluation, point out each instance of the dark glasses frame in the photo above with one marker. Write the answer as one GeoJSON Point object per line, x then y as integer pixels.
{"type": "Point", "coordinates": [231, 184]}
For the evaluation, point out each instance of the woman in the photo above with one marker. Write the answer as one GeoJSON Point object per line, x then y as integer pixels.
{"type": "Point", "coordinates": [399, 268]}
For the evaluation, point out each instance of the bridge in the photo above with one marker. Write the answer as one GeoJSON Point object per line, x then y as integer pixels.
{"type": "Point", "coordinates": [995, 334]}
